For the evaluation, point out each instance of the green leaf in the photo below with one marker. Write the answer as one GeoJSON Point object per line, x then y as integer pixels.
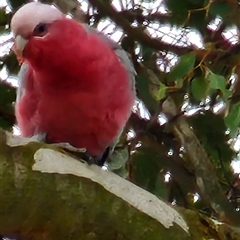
{"type": "Point", "coordinates": [210, 130]}
{"type": "Point", "coordinates": [156, 87]}
{"type": "Point", "coordinates": [5, 124]}
{"type": "Point", "coordinates": [147, 53]}
{"type": "Point", "coordinates": [143, 91]}
{"type": "Point", "coordinates": [194, 22]}
{"type": "Point", "coordinates": [181, 13]}
{"type": "Point", "coordinates": [177, 6]}
{"type": "Point", "coordinates": [7, 94]}
{"type": "Point", "coordinates": [161, 93]}
{"type": "Point", "coordinates": [146, 168]}
{"type": "Point", "coordinates": [7, 97]}
{"type": "Point", "coordinates": [222, 9]}
{"type": "Point", "coordinates": [162, 190]}
{"type": "Point", "coordinates": [232, 120]}
{"type": "Point", "coordinates": [184, 66]}
{"type": "Point", "coordinates": [197, 3]}
{"type": "Point", "coordinates": [218, 82]}
{"type": "Point", "coordinates": [12, 63]}
{"type": "Point", "coordinates": [127, 44]}
{"type": "Point", "coordinates": [118, 158]}
{"type": "Point", "coordinates": [5, 18]}
{"type": "Point", "coordinates": [199, 87]}
{"type": "Point", "coordinates": [17, 3]}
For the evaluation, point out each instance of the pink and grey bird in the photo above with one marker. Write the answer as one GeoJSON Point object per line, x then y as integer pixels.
{"type": "Point", "coordinates": [76, 84]}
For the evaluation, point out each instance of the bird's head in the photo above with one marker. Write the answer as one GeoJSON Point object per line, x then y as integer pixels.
{"type": "Point", "coordinates": [30, 26]}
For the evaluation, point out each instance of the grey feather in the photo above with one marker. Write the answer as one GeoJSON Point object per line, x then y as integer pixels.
{"type": "Point", "coordinates": [21, 81]}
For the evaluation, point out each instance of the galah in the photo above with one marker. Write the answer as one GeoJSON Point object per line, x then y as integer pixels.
{"type": "Point", "coordinates": [76, 85]}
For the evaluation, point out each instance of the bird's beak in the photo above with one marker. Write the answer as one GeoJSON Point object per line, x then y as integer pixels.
{"type": "Point", "coordinates": [18, 47]}
{"type": "Point", "coordinates": [20, 43]}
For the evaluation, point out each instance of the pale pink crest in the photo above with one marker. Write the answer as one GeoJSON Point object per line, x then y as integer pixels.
{"type": "Point", "coordinates": [30, 15]}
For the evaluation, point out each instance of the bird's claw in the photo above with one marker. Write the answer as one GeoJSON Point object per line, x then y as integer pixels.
{"type": "Point", "coordinates": [40, 137]}
{"type": "Point", "coordinates": [69, 147]}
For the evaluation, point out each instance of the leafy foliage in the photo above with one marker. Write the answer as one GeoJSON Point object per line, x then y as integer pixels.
{"type": "Point", "coordinates": [183, 68]}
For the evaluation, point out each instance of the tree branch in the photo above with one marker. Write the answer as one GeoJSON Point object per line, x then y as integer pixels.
{"type": "Point", "coordinates": [46, 194]}
{"type": "Point", "coordinates": [105, 8]}
{"type": "Point", "coordinates": [210, 189]}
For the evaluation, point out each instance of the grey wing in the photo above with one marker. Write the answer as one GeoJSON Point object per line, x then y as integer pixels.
{"type": "Point", "coordinates": [122, 55]}
{"type": "Point", "coordinates": [21, 81]}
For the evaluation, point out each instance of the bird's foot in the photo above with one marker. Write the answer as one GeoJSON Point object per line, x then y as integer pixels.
{"type": "Point", "coordinates": [40, 137]}
{"type": "Point", "coordinates": [77, 152]}
{"type": "Point", "coordinates": [69, 147]}
{"type": "Point", "coordinates": [85, 156]}
{"type": "Point", "coordinates": [98, 160]}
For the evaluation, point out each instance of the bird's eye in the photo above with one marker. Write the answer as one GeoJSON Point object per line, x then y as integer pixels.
{"type": "Point", "coordinates": [40, 30]}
